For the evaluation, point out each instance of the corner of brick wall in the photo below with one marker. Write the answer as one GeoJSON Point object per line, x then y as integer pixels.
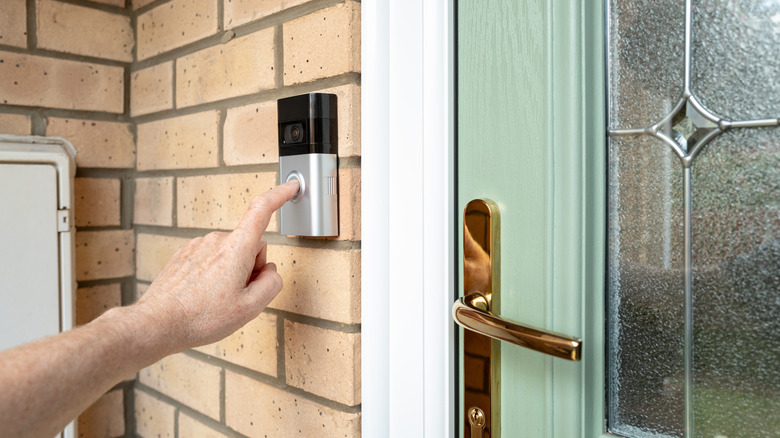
{"type": "Point", "coordinates": [64, 70]}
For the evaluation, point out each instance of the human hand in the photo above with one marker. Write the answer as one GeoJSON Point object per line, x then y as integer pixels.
{"type": "Point", "coordinates": [217, 283]}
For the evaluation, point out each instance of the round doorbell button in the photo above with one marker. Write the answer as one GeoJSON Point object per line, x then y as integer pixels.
{"type": "Point", "coordinates": [296, 176]}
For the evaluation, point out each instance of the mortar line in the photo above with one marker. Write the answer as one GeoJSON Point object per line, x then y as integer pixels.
{"type": "Point", "coordinates": [221, 138]}
{"type": "Point", "coordinates": [279, 56]}
{"type": "Point", "coordinates": [148, 7]}
{"type": "Point", "coordinates": [32, 27]}
{"type": "Point", "coordinates": [222, 410]}
{"type": "Point", "coordinates": [63, 56]}
{"type": "Point", "coordinates": [117, 10]}
{"type": "Point", "coordinates": [129, 409]}
{"type": "Point", "coordinates": [281, 363]}
{"type": "Point", "coordinates": [95, 116]}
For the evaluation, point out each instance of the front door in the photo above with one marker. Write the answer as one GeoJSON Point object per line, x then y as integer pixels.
{"type": "Point", "coordinates": [632, 150]}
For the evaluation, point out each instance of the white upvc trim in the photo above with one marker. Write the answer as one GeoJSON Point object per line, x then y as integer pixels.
{"type": "Point", "coordinates": [407, 206]}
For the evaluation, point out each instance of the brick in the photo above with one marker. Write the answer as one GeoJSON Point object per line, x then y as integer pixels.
{"type": "Point", "coordinates": [242, 66]}
{"type": "Point", "coordinates": [190, 427]}
{"type": "Point", "coordinates": [244, 11]}
{"type": "Point", "coordinates": [104, 254]}
{"type": "Point", "coordinates": [97, 202]}
{"type": "Point", "coordinates": [349, 204]}
{"type": "Point", "coordinates": [91, 302]}
{"type": "Point", "coordinates": [259, 410]}
{"type": "Point", "coordinates": [153, 201]}
{"type": "Point", "coordinates": [348, 97]}
{"type": "Point", "coordinates": [98, 144]}
{"type": "Point", "coordinates": [175, 24]}
{"type": "Point", "coordinates": [253, 346]}
{"type": "Point", "coordinates": [13, 23]}
{"type": "Point", "coordinates": [119, 3]}
{"type": "Point", "coordinates": [179, 142]}
{"type": "Point", "coordinates": [16, 124]}
{"type": "Point", "coordinates": [322, 283]}
{"type": "Point", "coordinates": [153, 253]}
{"type": "Point", "coordinates": [84, 31]}
{"type": "Point", "coordinates": [137, 4]}
{"type": "Point", "coordinates": [323, 44]}
{"type": "Point", "coordinates": [187, 380]}
{"type": "Point", "coordinates": [105, 418]}
{"type": "Point", "coordinates": [151, 89]}
{"type": "Point", "coordinates": [336, 375]}
{"type": "Point", "coordinates": [250, 135]}
{"type": "Point", "coordinates": [219, 201]}
{"type": "Point", "coordinates": [29, 80]}
{"type": "Point", "coordinates": [153, 418]}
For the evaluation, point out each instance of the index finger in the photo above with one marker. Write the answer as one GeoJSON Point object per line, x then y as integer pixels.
{"type": "Point", "coordinates": [256, 219]}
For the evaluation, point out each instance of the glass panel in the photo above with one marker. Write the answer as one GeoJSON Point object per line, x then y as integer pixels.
{"type": "Point", "coordinates": [646, 60]}
{"type": "Point", "coordinates": [736, 244]}
{"type": "Point", "coordinates": [645, 288]}
{"type": "Point", "coordinates": [735, 72]}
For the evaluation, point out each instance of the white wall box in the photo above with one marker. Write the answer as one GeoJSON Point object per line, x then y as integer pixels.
{"type": "Point", "coordinates": [37, 281]}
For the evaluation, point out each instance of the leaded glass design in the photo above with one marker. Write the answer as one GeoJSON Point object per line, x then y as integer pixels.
{"type": "Point", "coordinates": [694, 218]}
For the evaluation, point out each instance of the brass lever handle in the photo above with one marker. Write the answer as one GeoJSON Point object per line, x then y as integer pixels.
{"type": "Point", "coordinates": [467, 312]}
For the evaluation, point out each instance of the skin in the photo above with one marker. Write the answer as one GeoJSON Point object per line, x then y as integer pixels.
{"type": "Point", "coordinates": [209, 289]}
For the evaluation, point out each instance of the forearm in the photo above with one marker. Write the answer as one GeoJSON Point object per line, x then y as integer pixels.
{"type": "Point", "coordinates": [45, 384]}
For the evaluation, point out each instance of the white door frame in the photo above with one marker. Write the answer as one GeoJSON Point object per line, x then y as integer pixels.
{"type": "Point", "coordinates": [407, 228]}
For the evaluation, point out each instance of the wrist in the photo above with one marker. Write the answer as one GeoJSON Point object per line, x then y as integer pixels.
{"type": "Point", "coordinates": [140, 332]}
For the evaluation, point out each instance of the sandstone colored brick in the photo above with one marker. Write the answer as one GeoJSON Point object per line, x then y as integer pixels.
{"type": "Point", "coordinates": [153, 253]}
{"type": "Point", "coordinates": [187, 380]}
{"type": "Point", "coordinates": [153, 201]}
{"type": "Point", "coordinates": [84, 31]}
{"type": "Point", "coordinates": [322, 283]}
{"type": "Point", "coordinates": [219, 201]}
{"type": "Point", "coordinates": [151, 89]}
{"type": "Point", "coordinates": [348, 97]}
{"type": "Point", "coordinates": [242, 66]}
{"type": "Point", "coordinates": [91, 302]}
{"type": "Point", "coordinates": [243, 11]}
{"type": "Point", "coordinates": [97, 202]}
{"type": "Point", "coordinates": [153, 418]}
{"type": "Point", "coordinates": [105, 418]}
{"type": "Point", "coordinates": [16, 124]}
{"type": "Point", "coordinates": [137, 4]}
{"type": "Point", "coordinates": [13, 23]}
{"type": "Point", "coordinates": [29, 80]}
{"type": "Point", "coordinates": [98, 144]}
{"type": "Point", "coordinates": [259, 410]}
{"type": "Point", "coordinates": [250, 134]}
{"type": "Point", "coordinates": [336, 375]}
{"type": "Point", "coordinates": [190, 427]}
{"type": "Point", "coordinates": [104, 254]}
{"type": "Point", "coordinates": [349, 204]}
{"type": "Point", "coordinates": [179, 142]}
{"type": "Point", "coordinates": [253, 346]}
{"type": "Point", "coordinates": [323, 44]}
{"type": "Point", "coordinates": [119, 3]}
{"type": "Point", "coordinates": [175, 24]}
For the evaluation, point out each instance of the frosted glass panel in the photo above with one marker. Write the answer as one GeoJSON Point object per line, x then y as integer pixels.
{"type": "Point", "coordinates": [645, 288]}
{"type": "Point", "coordinates": [736, 72]}
{"type": "Point", "coordinates": [646, 60]}
{"type": "Point", "coordinates": [736, 229]}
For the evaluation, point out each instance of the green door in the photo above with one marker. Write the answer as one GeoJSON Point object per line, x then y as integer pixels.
{"type": "Point", "coordinates": [639, 197]}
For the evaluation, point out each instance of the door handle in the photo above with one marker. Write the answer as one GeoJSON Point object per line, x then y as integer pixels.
{"type": "Point", "coordinates": [471, 313]}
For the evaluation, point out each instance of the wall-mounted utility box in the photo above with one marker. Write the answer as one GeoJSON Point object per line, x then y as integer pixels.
{"type": "Point", "coordinates": [37, 282]}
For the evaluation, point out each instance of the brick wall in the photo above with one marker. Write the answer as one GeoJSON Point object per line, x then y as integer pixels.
{"type": "Point", "coordinates": [203, 94]}
{"type": "Point", "coordinates": [171, 107]}
{"type": "Point", "coordinates": [64, 69]}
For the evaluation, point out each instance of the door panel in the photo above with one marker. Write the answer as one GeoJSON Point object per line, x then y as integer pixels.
{"type": "Point", "coordinates": [530, 138]}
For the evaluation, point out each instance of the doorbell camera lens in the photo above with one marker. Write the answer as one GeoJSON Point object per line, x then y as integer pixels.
{"type": "Point", "coordinates": [293, 133]}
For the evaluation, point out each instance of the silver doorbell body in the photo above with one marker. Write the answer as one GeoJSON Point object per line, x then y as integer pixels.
{"type": "Point", "coordinates": [308, 152]}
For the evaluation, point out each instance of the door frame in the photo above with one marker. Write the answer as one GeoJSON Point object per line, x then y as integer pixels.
{"type": "Point", "coordinates": [408, 246]}
{"type": "Point", "coordinates": [408, 205]}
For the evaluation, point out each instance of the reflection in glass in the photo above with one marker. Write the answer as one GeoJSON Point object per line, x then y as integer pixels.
{"type": "Point", "coordinates": [645, 288]}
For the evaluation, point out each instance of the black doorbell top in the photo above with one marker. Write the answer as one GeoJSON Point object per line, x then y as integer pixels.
{"type": "Point", "coordinates": [308, 124]}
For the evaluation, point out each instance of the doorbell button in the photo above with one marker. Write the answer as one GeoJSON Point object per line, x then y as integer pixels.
{"type": "Point", "coordinates": [296, 176]}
